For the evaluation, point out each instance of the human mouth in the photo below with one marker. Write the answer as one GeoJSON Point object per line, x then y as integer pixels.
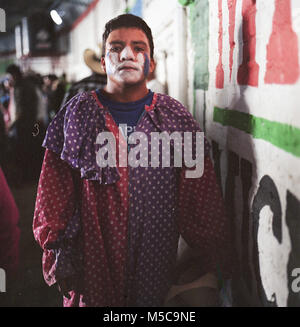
{"type": "Point", "coordinates": [127, 68]}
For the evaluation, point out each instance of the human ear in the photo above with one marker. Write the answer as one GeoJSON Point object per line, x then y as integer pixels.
{"type": "Point", "coordinates": [152, 65]}
{"type": "Point", "coordinates": [103, 63]}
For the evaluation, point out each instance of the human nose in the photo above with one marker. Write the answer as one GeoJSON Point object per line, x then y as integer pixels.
{"type": "Point", "coordinates": [127, 54]}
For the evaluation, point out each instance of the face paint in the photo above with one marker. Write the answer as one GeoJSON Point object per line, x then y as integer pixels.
{"type": "Point", "coordinates": [111, 63]}
{"type": "Point", "coordinates": [140, 60]}
{"type": "Point", "coordinates": [147, 65]}
{"type": "Point", "coordinates": [115, 62]}
{"type": "Point", "coordinates": [127, 60]}
{"type": "Point", "coordinates": [127, 54]}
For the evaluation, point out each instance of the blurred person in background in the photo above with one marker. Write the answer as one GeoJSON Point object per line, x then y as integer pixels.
{"type": "Point", "coordinates": [4, 93]}
{"type": "Point", "coordinates": [37, 82]}
{"type": "Point", "coordinates": [97, 80]}
{"type": "Point", "coordinates": [3, 138]}
{"type": "Point", "coordinates": [9, 230]}
{"type": "Point", "coordinates": [25, 151]}
{"type": "Point", "coordinates": [4, 119]}
{"type": "Point", "coordinates": [54, 89]}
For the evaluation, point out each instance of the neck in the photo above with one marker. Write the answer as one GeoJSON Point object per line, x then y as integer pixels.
{"type": "Point", "coordinates": [128, 93]}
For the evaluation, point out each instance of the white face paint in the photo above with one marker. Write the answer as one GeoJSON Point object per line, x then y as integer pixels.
{"type": "Point", "coordinates": [125, 67]}
{"type": "Point", "coordinates": [127, 57]}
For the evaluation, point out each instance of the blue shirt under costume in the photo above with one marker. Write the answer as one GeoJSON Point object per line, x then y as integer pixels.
{"type": "Point", "coordinates": [127, 113]}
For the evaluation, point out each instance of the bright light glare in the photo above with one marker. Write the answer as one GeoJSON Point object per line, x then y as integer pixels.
{"type": "Point", "coordinates": [55, 16]}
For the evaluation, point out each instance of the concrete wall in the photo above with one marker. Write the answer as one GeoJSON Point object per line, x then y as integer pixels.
{"type": "Point", "coordinates": [168, 22]}
{"type": "Point", "coordinates": [247, 99]}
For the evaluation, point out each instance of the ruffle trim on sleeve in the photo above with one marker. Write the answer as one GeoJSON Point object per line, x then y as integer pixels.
{"type": "Point", "coordinates": [72, 135]}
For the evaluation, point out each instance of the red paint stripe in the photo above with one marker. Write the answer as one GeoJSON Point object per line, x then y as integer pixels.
{"type": "Point", "coordinates": [231, 8]}
{"type": "Point", "coordinates": [249, 69]}
{"type": "Point", "coordinates": [219, 68]}
{"type": "Point", "coordinates": [84, 14]}
{"type": "Point", "coordinates": [282, 50]}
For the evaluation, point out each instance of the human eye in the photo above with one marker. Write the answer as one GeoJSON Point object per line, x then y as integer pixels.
{"type": "Point", "coordinates": [116, 48]}
{"type": "Point", "coordinates": [139, 49]}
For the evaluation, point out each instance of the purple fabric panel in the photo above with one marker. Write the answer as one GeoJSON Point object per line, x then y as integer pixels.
{"type": "Point", "coordinates": [72, 134]}
{"type": "Point", "coordinates": [153, 233]}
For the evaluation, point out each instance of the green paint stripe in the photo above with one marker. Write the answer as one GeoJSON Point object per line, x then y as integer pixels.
{"type": "Point", "coordinates": [186, 2]}
{"type": "Point", "coordinates": [283, 136]}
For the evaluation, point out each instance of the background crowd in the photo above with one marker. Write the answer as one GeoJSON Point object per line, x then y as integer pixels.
{"type": "Point", "coordinates": [28, 102]}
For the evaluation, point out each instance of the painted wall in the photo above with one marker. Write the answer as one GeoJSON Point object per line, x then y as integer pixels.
{"type": "Point", "coordinates": [247, 90]}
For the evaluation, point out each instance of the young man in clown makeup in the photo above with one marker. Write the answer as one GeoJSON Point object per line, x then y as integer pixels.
{"type": "Point", "coordinates": [127, 61]}
{"type": "Point", "coordinates": [110, 234]}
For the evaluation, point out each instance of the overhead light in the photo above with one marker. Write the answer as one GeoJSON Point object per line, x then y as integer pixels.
{"type": "Point", "coordinates": [55, 16]}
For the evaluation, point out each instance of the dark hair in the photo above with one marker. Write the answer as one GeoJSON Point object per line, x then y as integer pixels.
{"type": "Point", "coordinates": [52, 77]}
{"type": "Point", "coordinates": [127, 20]}
{"type": "Point", "coordinates": [14, 70]}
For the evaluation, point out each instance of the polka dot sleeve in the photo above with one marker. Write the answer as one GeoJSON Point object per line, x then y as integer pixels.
{"type": "Point", "coordinates": [54, 207]}
{"type": "Point", "coordinates": [203, 222]}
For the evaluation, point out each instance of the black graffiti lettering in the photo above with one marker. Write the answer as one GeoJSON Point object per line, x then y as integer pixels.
{"type": "Point", "coordinates": [246, 176]}
{"type": "Point", "coordinates": [267, 195]}
{"type": "Point", "coordinates": [233, 171]}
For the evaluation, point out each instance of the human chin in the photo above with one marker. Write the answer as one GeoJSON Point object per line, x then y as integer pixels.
{"type": "Point", "coordinates": [130, 76]}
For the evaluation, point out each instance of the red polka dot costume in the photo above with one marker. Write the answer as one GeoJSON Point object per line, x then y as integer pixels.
{"type": "Point", "coordinates": [113, 232]}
